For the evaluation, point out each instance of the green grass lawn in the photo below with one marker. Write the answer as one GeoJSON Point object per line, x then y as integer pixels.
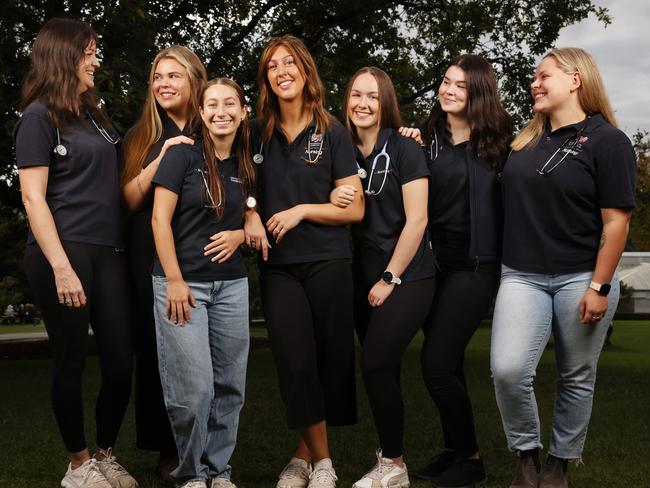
{"type": "Point", "coordinates": [21, 328]}
{"type": "Point", "coordinates": [616, 453]}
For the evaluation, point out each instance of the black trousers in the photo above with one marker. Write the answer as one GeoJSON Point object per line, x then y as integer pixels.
{"type": "Point", "coordinates": [463, 296]}
{"type": "Point", "coordinates": [152, 427]}
{"type": "Point", "coordinates": [308, 311]}
{"type": "Point", "coordinates": [385, 333]}
{"type": "Point", "coordinates": [103, 275]}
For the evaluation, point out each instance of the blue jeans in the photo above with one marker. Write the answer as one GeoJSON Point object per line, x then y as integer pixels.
{"type": "Point", "coordinates": [203, 373]}
{"type": "Point", "coordinates": [528, 307]}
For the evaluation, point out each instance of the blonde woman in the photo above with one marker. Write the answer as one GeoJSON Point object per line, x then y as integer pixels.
{"type": "Point", "coordinates": [568, 190]}
{"type": "Point", "coordinates": [170, 112]}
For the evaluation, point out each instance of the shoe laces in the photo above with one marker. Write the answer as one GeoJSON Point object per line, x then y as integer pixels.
{"type": "Point", "coordinates": [293, 471]}
{"type": "Point", "coordinates": [323, 476]}
{"type": "Point", "coordinates": [92, 474]}
{"type": "Point", "coordinates": [110, 464]}
{"type": "Point", "coordinates": [384, 465]}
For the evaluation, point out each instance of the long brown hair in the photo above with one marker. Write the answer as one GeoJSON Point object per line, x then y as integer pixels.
{"type": "Point", "coordinates": [591, 93]}
{"type": "Point", "coordinates": [148, 129]}
{"type": "Point", "coordinates": [389, 113]}
{"type": "Point", "coordinates": [241, 146]}
{"type": "Point", "coordinates": [268, 107]}
{"type": "Point", "coordinates": [490, 125]}
{"type": "Point", "coordinates": [52, 78]}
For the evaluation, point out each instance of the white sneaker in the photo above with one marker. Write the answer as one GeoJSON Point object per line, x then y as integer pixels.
{"type": "Point", "coordinates": [222, 483]}
{"type": "Point", "coordinates": [295, 474]}
{"type": "Point", "coordinates": [87, 475]}
{"type": "Point", "coordinates": [113, 471]}
{"type": "Point", "coordinates": [323, 475]}
{"type": "Point", "coordinates": [385, 474]}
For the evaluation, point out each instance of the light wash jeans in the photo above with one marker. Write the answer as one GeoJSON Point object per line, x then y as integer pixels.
{"type": "Point", "coordinates": [203, 374]}
{"type": "Point", "coordinates": [528, 307]}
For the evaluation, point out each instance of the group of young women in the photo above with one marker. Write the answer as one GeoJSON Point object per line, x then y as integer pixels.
{"type": "Point", "coordinates": [431, 224]}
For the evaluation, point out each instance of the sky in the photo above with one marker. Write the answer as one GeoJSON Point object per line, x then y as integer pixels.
{"type": "Point", "coordinates": [622, 51]}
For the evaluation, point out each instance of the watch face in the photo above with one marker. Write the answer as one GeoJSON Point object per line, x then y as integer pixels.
{"type": "Point", "coordinates": [387, 277]}
{"type": "Point", "coordinates": [604, 289]}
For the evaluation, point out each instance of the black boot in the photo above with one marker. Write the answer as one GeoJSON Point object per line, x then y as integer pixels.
{"type": "Point", "coordinates": [437, 465]}
{"type": "Point", "coordinates": [461, 473]}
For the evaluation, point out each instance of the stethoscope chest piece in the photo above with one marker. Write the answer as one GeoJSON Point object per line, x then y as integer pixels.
{"type": "Point", "coordinates": [258, 158]}
{"type": "Point", "coordinates": [60, 150]}
{"type": "Point", "coordinates": [251, 202]}
{"type": "Point", "coordinates": [363, 174]}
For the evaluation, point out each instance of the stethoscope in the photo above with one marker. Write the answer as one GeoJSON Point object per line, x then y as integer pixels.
{"type": "Point", "coordinates": [568, 145]}
{"type": "Point", "coordinates": [258, 158]}
{"type": "Point", "coordinates": [431, 146]}
{"type": "Point", "coordinates": [62, 151]}
{"type": "Point", "coordinates": [376, 159]}
{"type": "Point", "coordinates": [251, 202]}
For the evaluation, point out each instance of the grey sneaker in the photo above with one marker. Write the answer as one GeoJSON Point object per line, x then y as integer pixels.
{"type": "Point", "coordinates": [553, 474]}
{"type": "Point", "coordinates": [385, 474]}
{"type": "Point", "coordinates": [87, 475]}
{"type": "Point", "coordinates": [194, 484]}
{"type": "Point", "coordinates": [222, 483]}
{"type": "Point", "coordinates": [526, 474]}
{"type": "Point", "coordinates": [323, 475]}
{"type": "Point", "coordinates": [295, 474]}
{"type": "Point", "coordinates": [113, 471]}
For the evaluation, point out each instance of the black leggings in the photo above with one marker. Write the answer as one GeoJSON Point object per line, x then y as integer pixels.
{"type": "Point", "coordinates": [103, 275]}
{"type": "Point", "coordinates": [385, 332]}
{"type": "Point", "coordinates": [462, 299]}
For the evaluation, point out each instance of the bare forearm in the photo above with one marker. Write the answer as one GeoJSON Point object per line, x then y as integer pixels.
{"type": "Point", "coordinates": [612, 244]}
{"type": "Point", "coordinates": [165, 248]}
{"type": "Point", "coordinates": [407, 245]}
{"type": "Point", "coordinates": [329, 214]}
{"type": "Point", "coordinates": [136, 191]}
{"type": "Point", "coordinates": [45, 233]}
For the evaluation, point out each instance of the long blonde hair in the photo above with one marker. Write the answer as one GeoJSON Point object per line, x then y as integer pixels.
{"type": "Point", "coordinates": [591, 94]}
{"type": "Point", "coordinates": [148, 130]}
{"type": "Point", "coordinates": [268, 107]}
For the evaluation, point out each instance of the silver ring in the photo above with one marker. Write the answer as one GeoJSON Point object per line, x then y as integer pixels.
{"type": "Point", "coordinates": [68, 302]}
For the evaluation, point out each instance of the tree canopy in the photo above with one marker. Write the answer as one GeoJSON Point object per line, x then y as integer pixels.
{"type": "Point", "coordinates": [412, 40]}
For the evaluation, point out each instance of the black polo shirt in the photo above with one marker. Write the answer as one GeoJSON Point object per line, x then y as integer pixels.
{"type": "Point", "coordinates": [376, 236]}
{"type": "Point", "coordinates": [83, 191]}
{"type": "Point", "coordinates": [449, 206]}
{"type": "Point", "coordinates": [285, 179]}
{"type": "Point", "coordinates": [181, 171]}
{"type": "Point", "coordinates": [553, 222]}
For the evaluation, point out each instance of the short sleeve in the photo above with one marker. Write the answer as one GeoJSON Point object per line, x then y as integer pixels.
{"type": "Point", "coordinates": [173, 168]}
{"type": "Point", "coordinates": [35, 139]}
{"type": "Point", "coordinates": [342, 152]}
{"type": "Point", "coordinates": [616, 176]}
{"type": "Point", "coordinates": [412, 163]}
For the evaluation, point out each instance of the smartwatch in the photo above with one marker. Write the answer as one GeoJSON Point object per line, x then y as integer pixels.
{"type": "Point", "coordinates": [389, 278]}
{"type": "Point", "coordinates": [601, 288]}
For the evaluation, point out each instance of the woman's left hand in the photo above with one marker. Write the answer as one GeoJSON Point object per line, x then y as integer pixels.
{"type": "Point", "coordinates": [379, 293]}
{"type": "Point", "coordinates": [282, 222]}
{"type": "Point", "coordinates": [224, 244]}
{"type": "Point", "coordinates": [592, 307]}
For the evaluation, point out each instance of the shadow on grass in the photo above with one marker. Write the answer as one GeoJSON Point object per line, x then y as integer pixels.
{"type": "Point", "coordinates": [31, 453]}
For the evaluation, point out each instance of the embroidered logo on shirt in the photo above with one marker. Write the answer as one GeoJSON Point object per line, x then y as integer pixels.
{"type": "Point", "coordinates": [236, 180]}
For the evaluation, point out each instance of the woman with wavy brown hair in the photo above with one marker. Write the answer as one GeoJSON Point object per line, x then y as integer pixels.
{"type": "Point", "coordinates": [169, 116]}
{"type": "Point", "coordinates": [302, 153]}
{"type": "Point", "coordinates": [467, 138]}
{"type": "Point", "coordinates": [74, 260]}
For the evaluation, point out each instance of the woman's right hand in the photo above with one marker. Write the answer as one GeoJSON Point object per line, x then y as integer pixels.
{"type": "Point", "coordinates": [68, 287]}
{"type": "Point", "coordinates": [179, 299]}
{"type": "Point", "coordinates": [255, 233]}
{"type": "Point", "coordinates": [343, 195]}
{"type": "Point", "coordinates": [173, 141]}
{"type": "Point", "coordinates": [413, 133]}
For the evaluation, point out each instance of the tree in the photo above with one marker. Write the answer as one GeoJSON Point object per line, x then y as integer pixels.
{"type": "Point", "coordinates": [639, 238]}
{"type": "Point", "coordinates": [412, 40]}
